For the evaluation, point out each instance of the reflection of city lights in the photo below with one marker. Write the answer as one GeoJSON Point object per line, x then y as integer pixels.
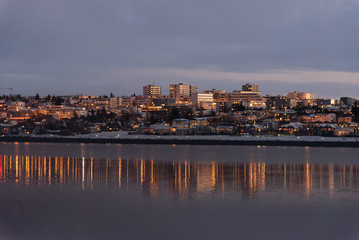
{"type": "Point", "coordinates": [181, 179]}
{"type": "Point", "coordinates": [83, 173]}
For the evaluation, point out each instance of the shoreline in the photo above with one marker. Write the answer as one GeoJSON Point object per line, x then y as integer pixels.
{"type": "Point", "coordinates": [306, 141]}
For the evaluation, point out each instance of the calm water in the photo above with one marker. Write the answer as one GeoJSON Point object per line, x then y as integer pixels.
{"type": "Point", "coordinates": [79, 191]}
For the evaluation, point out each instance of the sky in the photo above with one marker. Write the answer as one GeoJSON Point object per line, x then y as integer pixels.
{"type": "Point", "coordinates": [97, 47]}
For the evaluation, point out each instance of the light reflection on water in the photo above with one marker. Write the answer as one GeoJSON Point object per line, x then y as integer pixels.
{"type": "Point", "coordinates": [183, 179]}
{"type": "Point", "coordinates": [177, 192]}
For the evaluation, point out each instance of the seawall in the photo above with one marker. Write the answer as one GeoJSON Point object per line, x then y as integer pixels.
{"type": "Point", "coordinates": [188, 141]}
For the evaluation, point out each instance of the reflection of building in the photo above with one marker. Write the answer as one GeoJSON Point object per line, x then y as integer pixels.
{"type": "Point", "coordinates": [181, 179]}
{"type": "Point", "coordinates": [205, 183]}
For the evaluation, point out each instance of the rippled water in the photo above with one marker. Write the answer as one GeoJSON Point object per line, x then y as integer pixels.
{"type": "Point", "coordinates": [78, 191]}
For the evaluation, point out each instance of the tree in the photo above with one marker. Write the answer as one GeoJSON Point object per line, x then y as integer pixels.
{"type": "Point", "coordinates": [37, 97]}
{"type": "Point", "coordinates": [58, 101]}
{"type": "Point", "coordinates": [174, 114]}
{"type": "Point", "coordinates": [355, 111]}
{"type": "Point", "coordinates": [75, 115]}
{"type": "Point", "coordinates": [240, 107]}
{"type": "Point", "coordinates": [111, 95]}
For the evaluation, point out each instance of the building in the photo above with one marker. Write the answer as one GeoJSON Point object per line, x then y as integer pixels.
{"type": "Point", "coordinates": [348, 100]}
{"type": "Point", "coordinates": [324, 102]}
{"type": "Point", "coordinates": [250, 87]}
{"type": "Point", "coordinates": [247, 99]}
{"type": "Point", "coordinates": [16, 106]}
{"type": "Point", "coordinates": [219, 95]}
{"type": "Point", "coordinates": [181, 126]}
{"type": "Point", "coordinates": [163, 100]}
{"type": "Point", "coordinates": [143, 101]}
{"type": "Point", "coordinates": [344, 118]}
{"type": "Point", "coordinates": [62, 111]}
{"type": "Point", "coordinates": [280, 102]}
{"type": "Point", "coordinates": [151, 90]}
{"type": "Point", "coordinates": [182, 93]}
{"type": "Point", "coordinates": [127, 101]}
{"type": "Point", "coordinates": [301, 95]}
{"type": "Point", "coordinates": [203, 100]}
{"type": "Point", "coordinates": [344, 132]}
{"type": "Point", "coordinates": [276, 102]}
{"type": "Point", "coordinates": [101, 103]}
{"type": "Point", "coordinates": [285, 116]}
{"type": "Point", "coordinates": [114, 103]}
{"type": "Point", "coordinates": [319, 117]}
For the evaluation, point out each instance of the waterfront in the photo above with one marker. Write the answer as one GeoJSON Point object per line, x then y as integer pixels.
{"type": "Point", "coordinates": [80, 191]}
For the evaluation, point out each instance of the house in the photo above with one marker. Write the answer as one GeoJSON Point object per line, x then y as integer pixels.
{"type": "Point", "coordinates": [353, 125]}
{"type": "Point", "coordinates": [224, 129]}
{"type": "Point", "coordinates": [344, 132]}
{"type": "Point", "coordinates": [253, 128]}
{"type": "Point", "coordinates": [343, 118]}
{"type": "Point", "coordinates": [143, 130]}
{"type": "Point", "coordinates": [3, 114]}
{"type": "Point", "coordinates": [7, 129]}
{"type": "Point", "coordinates": [316, 118]}
{"type": "Point", "coordinates": [184, 131]}
{"type": "Point", "coordinates": [270, 126]}
{"type": "Point", "coordinates": [240, 126]}
{"type": "Point", "coordinates": [322, 129]}
{"type": "Point", "coordinates": [198, 122]}
{"type": "Point", "coordinates": [291, 128]}
{"type": "Point", "coordinates": [96, 127]}
{"type": "Point", "coordinates": [181, 126]}
{"type": "Point", "coordinates": [204, 130]}
{"type": "Point", "coordinates": [161, 129]}
{"type": "Point", "coordinates": [285, 116]}
{"type": "Point", "coordinates": [180, 123]}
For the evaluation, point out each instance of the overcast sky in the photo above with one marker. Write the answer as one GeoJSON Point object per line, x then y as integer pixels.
{"type": "Point", "coordinates": [98, 47]}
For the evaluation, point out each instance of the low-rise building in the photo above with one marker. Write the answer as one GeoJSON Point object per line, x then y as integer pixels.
{"type": "Point", "coordinates": [344, 132]}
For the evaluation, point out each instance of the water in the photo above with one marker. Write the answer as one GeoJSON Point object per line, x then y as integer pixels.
{"type": "Point", "coordinates": [79, 191]}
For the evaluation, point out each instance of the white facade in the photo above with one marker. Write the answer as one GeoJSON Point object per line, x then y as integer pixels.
{"type": "Point", "coordinates": [300, 95]}
{"type": "Point", "coordinates": [151, 91]}
{"type": "Point", "coordinates": [182, 93]}
{"type": "Point", "coordinates": [203, 100]}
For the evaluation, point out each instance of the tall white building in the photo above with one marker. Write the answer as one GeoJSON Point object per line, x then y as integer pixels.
{"type": "Point", "coordinates": [203, 100]}
{"type": "Point", "coordinates": [182, 93]}
{"type": "Point", "coordinates": [151, 90]}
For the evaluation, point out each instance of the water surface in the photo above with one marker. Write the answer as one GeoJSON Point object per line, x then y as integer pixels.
{"type": "Point", "coordinates": [79, 191]}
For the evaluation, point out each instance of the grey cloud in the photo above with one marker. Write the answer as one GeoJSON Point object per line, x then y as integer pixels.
{"type": "Point", "coordinates": [74, 43]}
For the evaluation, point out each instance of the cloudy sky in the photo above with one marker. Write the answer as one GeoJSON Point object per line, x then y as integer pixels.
{"type": "Point", "coordinates": [98, 47]}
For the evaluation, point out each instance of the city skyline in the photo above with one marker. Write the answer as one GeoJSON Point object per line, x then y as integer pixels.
{"type": "Point", "coordinates": [164, 91]}
{"type": "Point", "coordinates": [89, 47]}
